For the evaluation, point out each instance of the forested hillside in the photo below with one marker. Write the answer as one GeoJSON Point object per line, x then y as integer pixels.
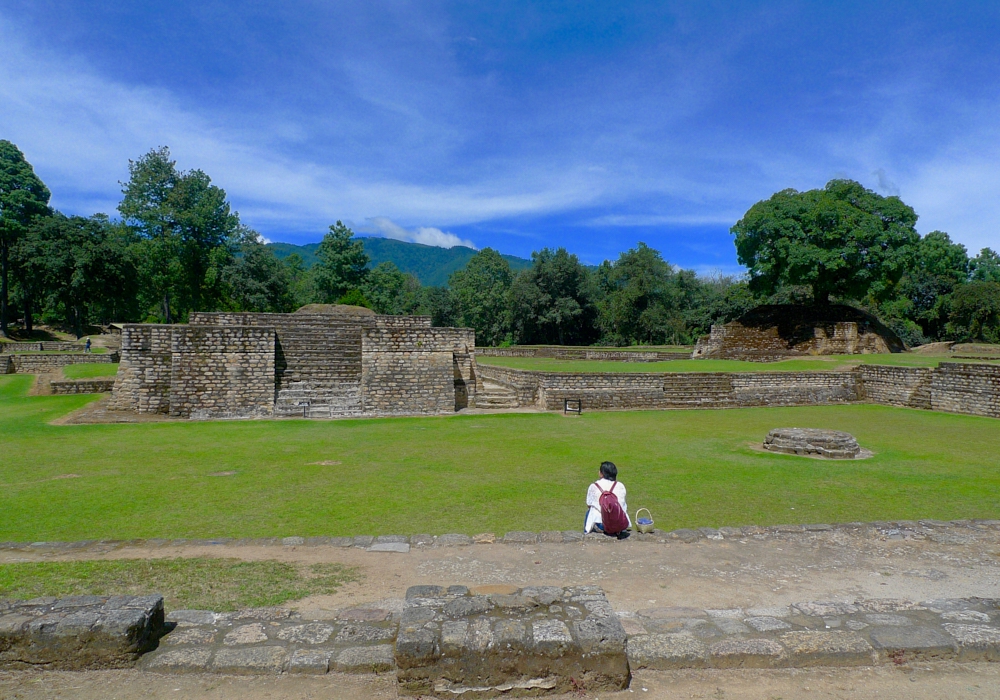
{"type": "Point", "coordinates": [429, 264]}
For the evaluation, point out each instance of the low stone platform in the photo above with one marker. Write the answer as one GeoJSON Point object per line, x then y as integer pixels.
{"type": "Point", "coordinates": [274, 640]}
{"type": "Point", "coordinates": [861, 633]}
{"type": "Point", "coordinates": [832, 444]}
{"type": "Point", "coordinates": [493, 640]}
{"type": "Point", "coordinates": [79, 632]}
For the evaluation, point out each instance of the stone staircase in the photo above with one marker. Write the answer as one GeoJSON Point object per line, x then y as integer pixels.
{"type": "Point", "coordinates": [496, 396]}
{"type": "Point", "coordinates": [318, 368]}
{"type": "Point", "coordinates": [696, 390]}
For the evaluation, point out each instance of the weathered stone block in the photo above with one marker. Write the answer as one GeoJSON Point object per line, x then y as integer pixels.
{"type": "Point", "coordinates": [827, 649]}
{"type": "Point", "coordinates": [663, 652]}
{"type": "Point", "coordinates": [746, 653]}
{"type": "Point", "coordinates": [372, 659]}
{"type": "Point", "coordinates": [906, 643]}
{"type": "Point", "coordinates": [310, 661]}
{"type": "Point", "coordinates": [250, 660]}
{"type": "Point", "coordinates": [975, 642]}
{"type": "Point", "coordinates": [80, 632]}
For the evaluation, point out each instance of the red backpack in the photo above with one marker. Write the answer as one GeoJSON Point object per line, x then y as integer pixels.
{"type": "Point", "coordinates": [613, 518]}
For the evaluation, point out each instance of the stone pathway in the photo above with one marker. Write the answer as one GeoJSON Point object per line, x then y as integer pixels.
{"type": "Point", "coordinates": [275, 640]}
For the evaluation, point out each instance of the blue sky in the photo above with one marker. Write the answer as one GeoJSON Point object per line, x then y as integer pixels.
{"type": "Point", "coordinates": [517, 125]}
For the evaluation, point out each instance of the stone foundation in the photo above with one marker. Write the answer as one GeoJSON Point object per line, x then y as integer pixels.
{"type": "Point", "coordinates": [516, 642]}
{"type": "Point", "coordinates": [310, 365]}
{"type": "Point", "coordinates": [49, 362]}
{"type": "Point", "coordinates": [79, 632]}
{"type": "Point", "coordinates": [585, 353]}
{"type": "Point", "coordinates": [96, 385]}
{"type": "Point", "coordinates": [953, 387]}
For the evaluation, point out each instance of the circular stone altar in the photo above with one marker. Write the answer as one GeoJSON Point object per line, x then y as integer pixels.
{"type": "Point", "coordinates": [831, 444]}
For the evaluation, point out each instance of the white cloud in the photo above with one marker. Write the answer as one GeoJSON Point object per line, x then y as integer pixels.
{"type": "Point", "coordinates": [423, 234]}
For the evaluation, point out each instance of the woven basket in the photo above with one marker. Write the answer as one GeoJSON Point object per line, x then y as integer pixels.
{"type": "Point", "coordinates": [642, 525]}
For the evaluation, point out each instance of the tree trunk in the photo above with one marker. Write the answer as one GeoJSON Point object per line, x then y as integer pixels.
{"type": "Point", "coordinates": [3, 288]}
{"type": "Point", "coordinates": [29, 321]}
{"type": "Point", "coordinates": [821, 295]}
{"type": "Point", "coordinates": [166, 307]}
{"type": "Point", "coordinates": [78, 322]}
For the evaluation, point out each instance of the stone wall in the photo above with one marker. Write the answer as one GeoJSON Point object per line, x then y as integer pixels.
{"type": "Point", "coordinates": [79, 632]}
{"type": "Point", "coordinates": [143, 380]}
{"type": "Point", "coordinates": [954, 387]}
{"type": "Point", "coordinates": [897, 386]}
{"type": "Point", "coordinates": [584, 353]}
{"type": "Point", "coordinates": [95, 385]}
{"type": "Point", "coordinates": [408, 369]}
{"type": "Point", "coordinates": [966, 388]}
{"type": "Point", "coordinates": [303, 364]}
{"type": "Point", "coordinates": [221, 372]}
{"type": "Point", "coordinates": [42, 346]}
{"type": "Point", "coordinates": [47, 363]}
{"type": "Point", "coordinates": [622, 390]}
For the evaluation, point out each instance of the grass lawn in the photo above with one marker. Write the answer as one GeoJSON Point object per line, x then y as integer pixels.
{"type": "Point", "coordinates": [88, 370]}
{"type": "Point", "coordinates": [810, 364]}
{"type": "Point", "coordinates": [472, 473]}
{"type": "Point", "coordinates": [193, 584]}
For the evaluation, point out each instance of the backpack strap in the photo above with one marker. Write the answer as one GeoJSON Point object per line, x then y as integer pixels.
{"type": "Point", "coordinates": [610, 490]}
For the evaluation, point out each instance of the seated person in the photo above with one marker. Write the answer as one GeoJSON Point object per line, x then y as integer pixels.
{"type": "Point", "coordinates": [607, 482]}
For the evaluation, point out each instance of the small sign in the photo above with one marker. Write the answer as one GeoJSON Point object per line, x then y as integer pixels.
{"type": "Point", "coordinates": [572, 406]}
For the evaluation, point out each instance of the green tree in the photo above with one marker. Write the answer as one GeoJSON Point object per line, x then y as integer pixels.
{"type": "Point", "coordinates": [187, 230]}
{"type": "Point", "coordinates": [642, 300]}
{"type": "Point", "coordinates": [842, 240]}
{"type": "Point", "coordinates": [975, 312]}
{"type": "Point", "coordinates": [937, 266]}
{"type": "Point", "coordinates": [23, 197]}
{"type": "Point", "coordinates": [441, 305]}
{"type": "Point", "coordinates": [390, 291]}
{"type": "Point", "coordinates": [255, 280]}
{"type": "Point", "coordinates": [79, 266]}
{"type": "Point", "coordinates": [551, 301]}
{"type": "Point", "coordinates": [985, 267]}
{"type": "Point", "coordinates": [481, 291]}
{"type": "Point", "coordinates": [342, 264]}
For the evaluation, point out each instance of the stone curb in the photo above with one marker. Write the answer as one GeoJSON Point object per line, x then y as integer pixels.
{"type": "Point", "coordinates": [892, 530]}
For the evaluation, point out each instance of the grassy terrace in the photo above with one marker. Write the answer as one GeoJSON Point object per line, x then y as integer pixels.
{"type": "Point", "coordinates": [471, 473]}
{"type": "Point", "coordinates": [826, 362]}
{"type": "Point", "coordinates": [89, 370]}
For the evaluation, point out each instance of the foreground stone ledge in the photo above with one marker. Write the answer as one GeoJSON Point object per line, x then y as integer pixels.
{"type": "Point", "coordinates": [532, 640]}
{"type": "Point", "coordinates": [79, 632]}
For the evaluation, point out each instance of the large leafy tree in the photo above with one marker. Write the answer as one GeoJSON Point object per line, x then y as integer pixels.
{"type": "Point", "coordinates": [842, 240]}
{"type": "Point", "coordinates": [922, 300]}
{"type": "Point", "coordinates": [985, 267]}
{"type": "Point", "coordinates": [255, 280]}
{"type": "Point", "coordinates": [80, 268]}
{"type": "Point", "coordinates": [975, 312]}
{"type": "Point", "coordinates": [23, 198]}
{"type": "Point", "coordinates": [551, 301]}
{"type": "Point", "coordinates": [642, 300]}
{"type": "Point", "coordinates": [481, 291]}
{"type": "Point", "coordinates": [187, 233]}
{"type": "Point", "coordinates": [390, 291]}
{"type": "Point", "coordinates": [342, 264]}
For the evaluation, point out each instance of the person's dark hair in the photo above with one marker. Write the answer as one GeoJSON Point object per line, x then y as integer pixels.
{"type": "Point", "coordinates": [609, 470]}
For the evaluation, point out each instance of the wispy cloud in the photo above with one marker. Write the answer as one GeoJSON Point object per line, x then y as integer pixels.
{"type": "Point", "coordinates": [422, 234]}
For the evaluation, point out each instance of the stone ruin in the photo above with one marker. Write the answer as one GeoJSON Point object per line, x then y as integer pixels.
{"type": "Point", "coordinates": [775, 332]}
{"type": "Point", "coordinates": [831, 444]}
{"type": "Point", "coordinates": [323, 361]}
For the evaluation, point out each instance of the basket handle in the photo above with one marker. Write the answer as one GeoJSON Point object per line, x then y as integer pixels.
{"type": "Point", "coordinates": [647, 513]}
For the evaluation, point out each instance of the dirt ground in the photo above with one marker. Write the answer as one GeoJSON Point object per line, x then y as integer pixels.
{"type": "Point", "coordinates": [937, 681]}
{"type": "Point", "coordinates": [771, 571]}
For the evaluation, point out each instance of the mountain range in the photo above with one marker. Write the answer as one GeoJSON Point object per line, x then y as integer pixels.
{"type": "Point", "coordinates": [429, 264]}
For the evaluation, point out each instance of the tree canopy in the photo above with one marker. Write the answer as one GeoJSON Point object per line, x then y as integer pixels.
{"type": "Point", "coordinates": [23, 198]}
{"type": "Point", "coordinates": [342, 264]}
{"type": "Point", "coordinates": [481, 291]}
{"type": "Point", "coordinates": [842, 240]}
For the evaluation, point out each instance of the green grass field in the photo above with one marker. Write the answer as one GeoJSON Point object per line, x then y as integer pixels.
{"type": "Point", "coordinates": [472, 473]}
{"type": "Point", "coordinates": [89, 370]}
{"type": "Point", "coordinates": [811, 364]}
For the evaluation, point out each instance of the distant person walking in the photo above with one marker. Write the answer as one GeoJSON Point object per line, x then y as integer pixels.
{"type": "Point", "coordinates": [606, 508]}
{"type": "Point", "coordinates": [86, 347]}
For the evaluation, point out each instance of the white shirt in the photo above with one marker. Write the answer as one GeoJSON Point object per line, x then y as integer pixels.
{"type": "Point", "coordinates": [594, 502]}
